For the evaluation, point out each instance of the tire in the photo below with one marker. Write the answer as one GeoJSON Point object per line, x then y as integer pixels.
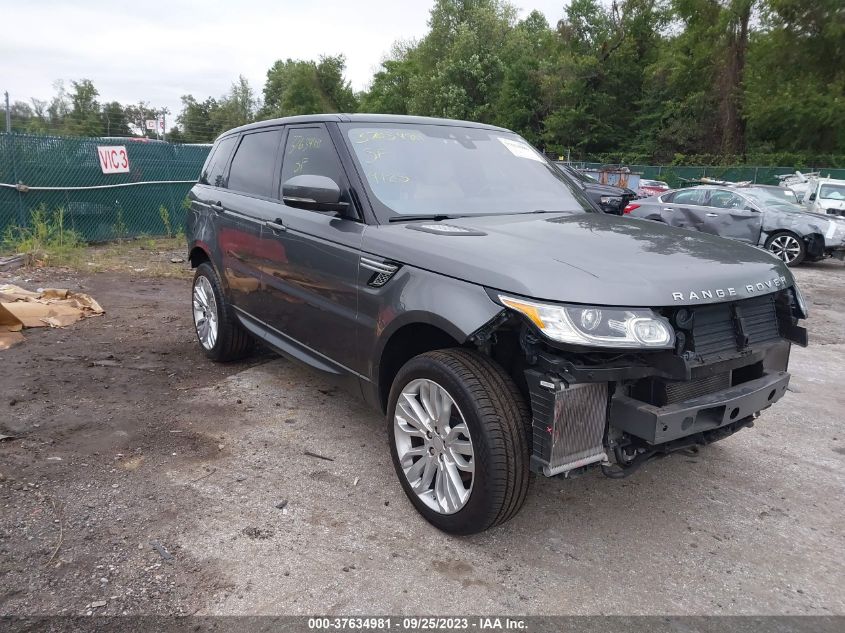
{"type": "Point", "coordinates": [230, 341]}
{"type": "Point", "coordinates": [495, 416]}
{"type": "Point", "coordinates": [787, 247]}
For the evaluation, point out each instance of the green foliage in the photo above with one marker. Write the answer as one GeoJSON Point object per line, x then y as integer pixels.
{"type": "Point", "coordinates": [728, 80]}
{"type": "Point", "coordinates": [164, 214]}
{"type": "Point", "coordinates": [44, 238]}
{"type": "Point", "coordinates": [307, 87]}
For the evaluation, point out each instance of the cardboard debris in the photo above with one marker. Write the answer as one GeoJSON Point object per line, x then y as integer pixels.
{"type": "Point", "coordinates": [50, 307]}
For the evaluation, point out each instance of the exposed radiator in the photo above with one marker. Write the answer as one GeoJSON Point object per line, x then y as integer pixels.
{"type": "Point", "coordinates": [568, 424]}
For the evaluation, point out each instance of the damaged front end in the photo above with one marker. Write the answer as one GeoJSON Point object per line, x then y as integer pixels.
{"type": "Point", "coordinates": [620, 408]}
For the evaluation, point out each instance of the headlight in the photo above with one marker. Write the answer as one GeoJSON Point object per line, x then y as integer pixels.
{"type": "Point", "coordinates": [596, 326]}
{"type": "Point", "coordinates": [615, 200]}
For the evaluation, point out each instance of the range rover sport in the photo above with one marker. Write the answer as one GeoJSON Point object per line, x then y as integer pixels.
{"type": "Point", "coordinates": [471, 293]}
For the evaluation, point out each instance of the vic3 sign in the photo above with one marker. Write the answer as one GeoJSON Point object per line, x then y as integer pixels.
{"type": "Point", "coordinates": [113, 159]}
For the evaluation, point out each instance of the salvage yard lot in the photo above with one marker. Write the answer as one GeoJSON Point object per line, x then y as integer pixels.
{"type": "Point", "coordinates": [145, 479]}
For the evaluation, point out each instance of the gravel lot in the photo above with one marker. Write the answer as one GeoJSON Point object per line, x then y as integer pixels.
{"type": "Point", "coordinates": [145, 479]}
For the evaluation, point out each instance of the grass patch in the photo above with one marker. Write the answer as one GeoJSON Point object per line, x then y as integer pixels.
{"type": "Point", "coordinates": [46, 241]}
{"type": "Point", "coordinates": [141, 257]}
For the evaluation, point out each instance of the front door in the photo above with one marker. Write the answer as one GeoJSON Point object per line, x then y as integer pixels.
{"type": "Point", "coordinates": [310, 296]}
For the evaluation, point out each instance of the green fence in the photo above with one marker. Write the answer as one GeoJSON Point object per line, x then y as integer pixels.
{"type": "Point", "coordinates": [678, 176]}
{"type": "Point", "coordinates": [67, 173]}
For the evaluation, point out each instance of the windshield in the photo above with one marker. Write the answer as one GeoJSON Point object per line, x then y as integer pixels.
{"type": "Point", "coordinates": [832, 192]}
{"type": "Point", "coordinates": [415, 169]}
{"type": "Point", "coordinates": [783, 199]}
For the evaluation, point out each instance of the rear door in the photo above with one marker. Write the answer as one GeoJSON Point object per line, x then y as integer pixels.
{"type": "Point", "coordinates": [244, 205]}
{"type": "Point", "coordinates": [730, 214]}
{"type": "Point", "coordinates": [685, 208]}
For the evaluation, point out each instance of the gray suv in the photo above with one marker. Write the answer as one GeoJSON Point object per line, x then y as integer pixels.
{"type": "Point", "coordinates": [468, 290]}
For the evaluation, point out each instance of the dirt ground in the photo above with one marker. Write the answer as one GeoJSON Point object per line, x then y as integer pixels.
{"type": "Point", "coordinates": [144, 479]}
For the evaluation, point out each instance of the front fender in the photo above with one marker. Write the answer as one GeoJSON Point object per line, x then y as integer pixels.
{"type": "Point", "coordinates": [417, 296]}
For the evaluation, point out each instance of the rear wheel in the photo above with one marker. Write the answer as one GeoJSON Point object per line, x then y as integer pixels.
{"type": "Point", "coordinates": [219, 333]}
{"type": "Point", "coordinates": [787, 247]}
{"type": "Point", "coordinates": [457, 437]}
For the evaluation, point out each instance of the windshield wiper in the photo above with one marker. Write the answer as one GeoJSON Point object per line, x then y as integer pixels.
{"type": "Point", "coordinates": [436, 217]}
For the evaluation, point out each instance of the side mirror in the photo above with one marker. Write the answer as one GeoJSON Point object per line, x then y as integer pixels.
{"type": "Point", "coordinates": [812, 196]}
{"type": "Point", "coordinates": [312, 192]}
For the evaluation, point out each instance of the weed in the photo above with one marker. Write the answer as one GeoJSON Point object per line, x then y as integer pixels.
{"type": "Point", "coordinates": [120, 227]}
{"type": "Point", "coordinates": [45, 238]}
{"type": "Point", "coordinates": [164, 214]}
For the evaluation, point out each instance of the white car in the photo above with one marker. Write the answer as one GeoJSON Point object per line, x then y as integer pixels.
{"type": "Point", "coordinates": [827, 196]}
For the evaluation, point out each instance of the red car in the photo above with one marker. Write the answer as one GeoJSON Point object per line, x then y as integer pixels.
{"type": "Point", "coordinates": [651, 188]}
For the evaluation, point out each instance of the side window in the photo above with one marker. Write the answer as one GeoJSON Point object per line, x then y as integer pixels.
{"type": "Point", "coordinates": [254, 164]}
{"type": "Point", "coordinates": [694, 197]}
{"type": "Point", "coordinates": [212, 173]}
{"type": "Point", "coordinates": [309, 151]}
{"type": "Point", "coordinates": [726, 200]}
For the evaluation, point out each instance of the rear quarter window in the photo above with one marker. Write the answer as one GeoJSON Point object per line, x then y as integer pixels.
{"type": "Point", "coordinates": [214, 169]}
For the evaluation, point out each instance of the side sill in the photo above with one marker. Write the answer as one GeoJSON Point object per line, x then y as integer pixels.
{"type": "Point", "coordinates": [287, 346]}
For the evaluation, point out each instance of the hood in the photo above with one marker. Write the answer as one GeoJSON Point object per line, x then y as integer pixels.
{"type": "Point", "coordinates": [589, 258]}
{"type": "Point", "coordinates": [829, 203]}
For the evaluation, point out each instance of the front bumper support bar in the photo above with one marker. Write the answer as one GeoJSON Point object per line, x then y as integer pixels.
{"type": "Point", "coordinates": [657, 425]}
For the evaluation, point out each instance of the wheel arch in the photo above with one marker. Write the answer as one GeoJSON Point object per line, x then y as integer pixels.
{"type": "Point", "coordinates": [198, 254]}
{"type": "Point", "coordinates": [408, 340]}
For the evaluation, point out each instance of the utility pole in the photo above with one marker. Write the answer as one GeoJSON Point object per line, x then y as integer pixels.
{"type": "Point", "coordinates": [8, 115]}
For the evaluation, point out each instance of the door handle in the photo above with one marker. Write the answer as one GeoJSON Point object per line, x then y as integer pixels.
{"type": "Point", "coordinates": [217, 206]}
{"type": "Point", "coordinates": [275, 226]}
{"type": "Point", "coordinates": [712, 215]}
{"type": "Point", "coordinates": [667, 209]}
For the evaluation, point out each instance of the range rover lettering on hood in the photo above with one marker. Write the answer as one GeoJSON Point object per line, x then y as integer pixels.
{"type": "Point", "coordinates": [721, 293]}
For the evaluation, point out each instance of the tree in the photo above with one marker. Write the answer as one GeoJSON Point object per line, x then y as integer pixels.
{"type": "Point", "coordinates": [195, 120]}
{"type": "Point", "coordinates": [390, 89]}
{"type": "Point", "coordinates": [114, 120]}
{"type": "Point", "coordinates": [297, 86]}
{"type": "Point", "coordinates": [84, 118]}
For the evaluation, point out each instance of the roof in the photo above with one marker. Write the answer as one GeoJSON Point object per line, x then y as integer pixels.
{"type": "Point", "coordinates": [361, 118]}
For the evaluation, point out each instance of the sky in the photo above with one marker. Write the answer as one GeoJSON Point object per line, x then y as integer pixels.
{"type": "Point", "coordinates": [157, 52]}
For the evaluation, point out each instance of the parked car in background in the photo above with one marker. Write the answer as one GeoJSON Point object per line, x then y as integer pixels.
{"type": "Point", "coordinates": [753, 214]}
{"type": "Point", "coordinates": [650, 188]}
{"type": "Point", "coordinates": [608, 198]}
{"type": "Point", "coordinates": [819, 195]}
{"type": "Point", "coordinates": [827, 196]}
{"type": "Point", "coordinates": [469, 291]}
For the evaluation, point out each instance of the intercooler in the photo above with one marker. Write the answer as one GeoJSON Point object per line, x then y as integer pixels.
{"type": "Point", "coordinates": [568, 424]}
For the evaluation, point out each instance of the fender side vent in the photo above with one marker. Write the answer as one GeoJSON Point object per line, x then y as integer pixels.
{"type": "Point", "coordinates": [382, 271]}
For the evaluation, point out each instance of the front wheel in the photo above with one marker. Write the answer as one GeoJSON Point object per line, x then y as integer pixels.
{"type": "Point", "coordinates": [787, 247]}
{"type": "Point", "coordinates": [457, 437]}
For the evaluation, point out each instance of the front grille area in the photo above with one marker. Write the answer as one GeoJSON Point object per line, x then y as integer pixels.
{"type": "Point", "coordinates": [660, 392]}
{"type": "Point", "coordinates": [723, 329]}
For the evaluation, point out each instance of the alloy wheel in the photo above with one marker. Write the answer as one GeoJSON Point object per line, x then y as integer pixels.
{"type": "Point", "coordinates": [205, 313]}
{"type": "Point", "coordinates": [434, 446]}
{"type": "Point", "coordinates": [786, 248]}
